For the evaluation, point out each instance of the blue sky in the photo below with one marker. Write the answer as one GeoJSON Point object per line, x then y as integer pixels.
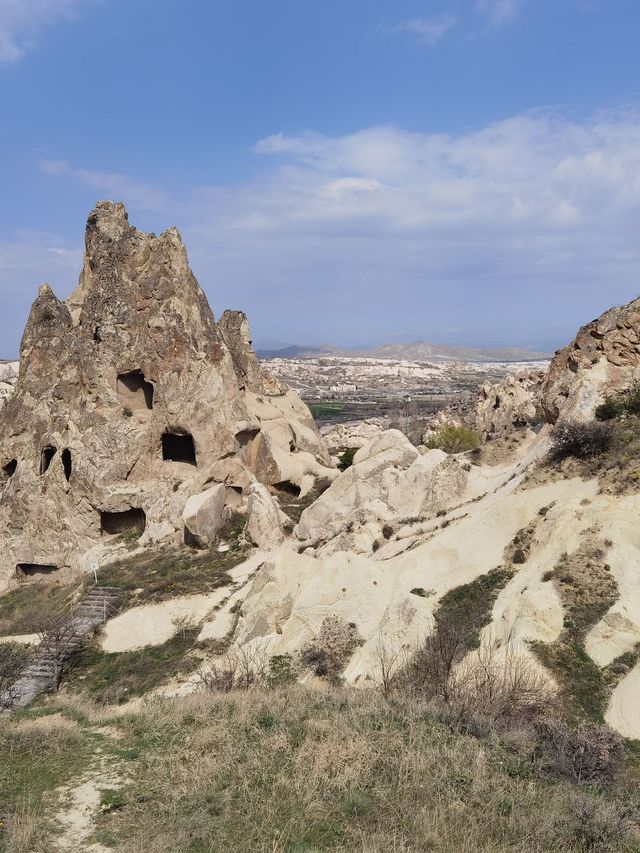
{"type": "Point", "coordinates": [353, 171]}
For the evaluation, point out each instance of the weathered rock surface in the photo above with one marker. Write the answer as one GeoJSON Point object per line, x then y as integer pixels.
{"type": "Point", "coordinates": [130, 400]}
{"type": "Point", "coordinates": [352, 435]}
{"type": "Point", "coordinates": [265, 526]}
{"type": "Point", "coordinates": [508, 405]}
{"type": "Point", "coordinates": [8, 379]}
{"type": "Point", "coordinates": [603, 358]}
{"type": "Point", "coordinates": [389, 482]}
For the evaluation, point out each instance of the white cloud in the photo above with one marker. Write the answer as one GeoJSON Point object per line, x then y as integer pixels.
{"type": "Point", "coordinates": [22, 20]}
{"type": "Point", "coordinates": [429, 30]}
{"type": "Point", "coordinates": [515, 226]}
{"type": "Point", "coordinates": [499, 11]}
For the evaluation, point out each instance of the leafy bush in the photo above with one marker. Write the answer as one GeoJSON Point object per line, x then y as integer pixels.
{"type": "Point", "coordinates": [346, 458]}
{"type": "Point", "coordinates": [583, 440]}
{"type": "Point", "coordinates": [453, 439]}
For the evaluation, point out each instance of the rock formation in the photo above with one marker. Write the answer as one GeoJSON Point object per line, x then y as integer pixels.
{"type": "Point", "coordinates": [130, 401]}
{"type": "Point", "coordinates": [603, 358]}
{"type": "Point", "coordinates": [388, 483]}
{"type": "Point", "coordinates": [8, 379]}
{"type": "Point", "coordinates": [508, 405]}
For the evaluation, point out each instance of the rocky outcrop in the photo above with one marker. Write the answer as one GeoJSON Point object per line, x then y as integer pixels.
{"type": "Point", "coordinates": [8, 379]}
{"type": "Point", "coordinates": [604, 358]}
{"type": "Point", "coordinates": [388, 483]}
{"type": "Point", "coordinates": [352, 435]}
{"type": "Point", "coordinates": [508, 405]}
{"type": "Point", "coordinates": [130, 400]}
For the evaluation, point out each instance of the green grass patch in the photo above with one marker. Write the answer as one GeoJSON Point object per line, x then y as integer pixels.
{"type": "Point", "coordinates": [469, 606]}
{"type": "Point", "coordinates": [111, 678]}
{"type": "Point", "coordinates": [157, 575]}
{"type": "Point", "coordinates": [21, 608]}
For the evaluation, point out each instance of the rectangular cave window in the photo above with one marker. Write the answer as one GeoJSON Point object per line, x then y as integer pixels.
{"type": "Point", "coordinates": [178, 447]}
{"type": "Point", "coordinates": [127, 521]}
{"type": "Point", "coordinates": [66, 462]}
{"type": "Point", "coordinates": [10, 468]}
{"type": "Point", "coordinates": [134, 392]}
{"type": "Point", "coordinates": [30, 570]}
{"type": "Point", "coordinates": [46, 458]}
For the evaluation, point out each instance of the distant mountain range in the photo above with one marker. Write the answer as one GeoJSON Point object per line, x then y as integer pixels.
{"type": "Point", "coordinates": [418, 351]}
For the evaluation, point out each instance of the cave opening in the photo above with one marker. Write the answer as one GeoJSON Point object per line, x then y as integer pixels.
{"type": "Point", "coordinates": [128, 520]}
{"type": "Point", "coordinates": [30, 570]}
{"type": "Point", "coordinates": [10, 468]}
{"type": "Point", "coordinates": [66, 462]}
{"type": "Point", "coordinates": [134, 392]}
{"type": "Point", "coordinates": [46, 458]}
{"type": "Point", "coordinates": [178, 447]}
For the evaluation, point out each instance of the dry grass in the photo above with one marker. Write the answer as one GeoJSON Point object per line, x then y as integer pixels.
{"type": "Point", "coordinates": [300, 770]}
{"type": "Point", "coordinates": [294, 770]}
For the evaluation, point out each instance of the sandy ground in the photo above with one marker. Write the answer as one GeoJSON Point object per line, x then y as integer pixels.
{"type": "Point", "coordinates": [23, 639]}
{"type": "Point", "coordinates": [623, 713]}
{"type": "Point", "coordinates": [154, 624]}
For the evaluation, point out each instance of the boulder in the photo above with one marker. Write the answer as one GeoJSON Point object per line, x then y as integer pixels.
{"type": "Point", "coordinates": [265, 520]}
{"type": "Point", "coordinates": [203, 514]}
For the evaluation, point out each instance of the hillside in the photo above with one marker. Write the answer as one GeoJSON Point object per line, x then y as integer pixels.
{"type": "Point", "coordinates": [420, 351]}
{"type": "Point", "coordinates": [216, 635]}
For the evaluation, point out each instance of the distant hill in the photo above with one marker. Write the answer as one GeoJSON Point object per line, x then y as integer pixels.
{"type": "Point", "coordinates": [418, 351]}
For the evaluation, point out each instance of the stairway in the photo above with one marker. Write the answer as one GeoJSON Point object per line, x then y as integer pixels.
{"type": "Point", "coordinates": [100, 604]}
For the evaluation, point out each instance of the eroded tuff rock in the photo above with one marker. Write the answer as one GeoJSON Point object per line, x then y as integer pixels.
{"type": "Point", "coordinates": [508, 405]}
{"type": "Point", "coordinates": [8, 379]}
{"type": "Point", "coordinates": [603, 358]}
{"type": "Point", "coordinates": [130, 400]}
{"type": "Point", "coordinates": [389, 483]}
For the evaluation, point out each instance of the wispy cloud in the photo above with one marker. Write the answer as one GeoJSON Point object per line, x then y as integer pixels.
{"type": "Point", "coordinates": [499, 11]}
{"type": "Point", "coordinates": [429, 30]}
{"type": "Point", "coordinates": [113, 184]}
{"type": "Point", "coordinates": [21, 22]}
{"type": "Point", "coordinates": [495, 228]}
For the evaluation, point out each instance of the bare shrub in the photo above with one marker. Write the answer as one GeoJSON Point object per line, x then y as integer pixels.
{"type": "Point", "coordinates": [599, 827]}
{"type": "Point", "coordinates": [431, 671]}
{"type": "Point", "coordinates": [329, 652]}
{"type": "Point", "coordinates": [13, 660]}
{"type": "Point", "coordinates": [239, 668]}
{"type": "Point", "coordinates": [574, 438]}
{"type": "Point", "coordinates": [58, 639]}
{"type": "Point", "coordinates": [586, 754]}
{"type": "Point", "coordinates": [389, 663]}
{"type": "Point", "coordinates": [503, 686]}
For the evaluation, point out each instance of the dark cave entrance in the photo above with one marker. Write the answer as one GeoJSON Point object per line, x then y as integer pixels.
{"type": "Point", "coordinates": [46, 458]}
{"type": "Point", "coordinates": [178, 447]}
{"type": "Point", "coordinates": [10, 469]}
{"type": "Point", "coordinates": [66, 462]}
{"type": "Point", "coordinates": [134, 392]}
{"type": "Point", "coordinates": [132, 519]}
{"type": "Point", "coordinates": [30, 570]}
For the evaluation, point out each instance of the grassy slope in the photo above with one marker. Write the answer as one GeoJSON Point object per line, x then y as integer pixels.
{"type": "Point", "coordinates": [297, 770]}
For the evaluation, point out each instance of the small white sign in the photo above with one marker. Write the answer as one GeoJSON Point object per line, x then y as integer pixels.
{"type": "Point", "coordinates": [94, 568]}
